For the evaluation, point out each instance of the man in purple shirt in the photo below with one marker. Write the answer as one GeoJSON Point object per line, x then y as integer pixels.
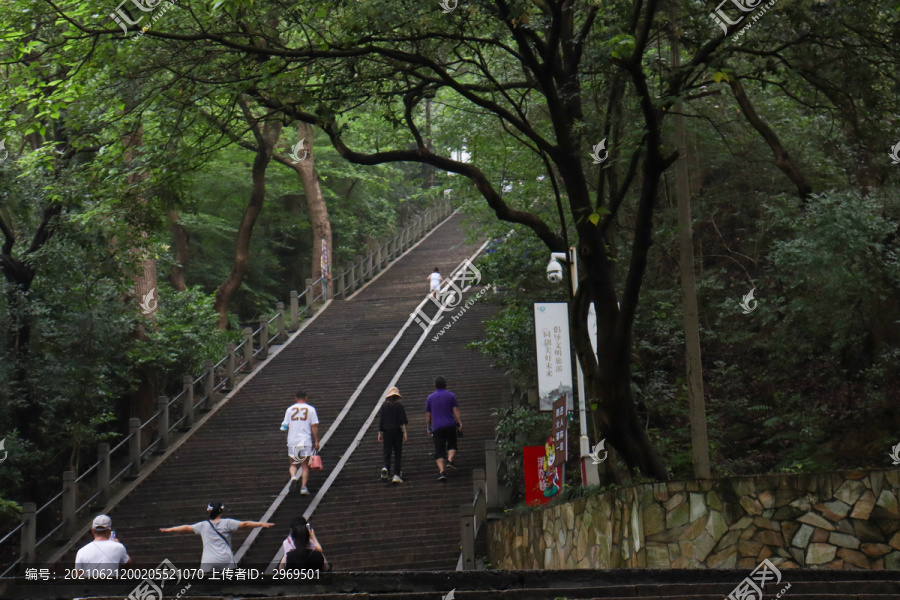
{"type": "Point", "coordinates": [443, 421]}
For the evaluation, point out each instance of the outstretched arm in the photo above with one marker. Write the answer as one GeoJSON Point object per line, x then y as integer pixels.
{"type": "Point", "coordinates": [252, 524]}
{"type": "Point", "coordinates": [179, 529]}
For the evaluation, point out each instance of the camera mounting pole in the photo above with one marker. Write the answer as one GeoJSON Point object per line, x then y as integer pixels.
{"type": "Point", "coordinates": [589, 474]}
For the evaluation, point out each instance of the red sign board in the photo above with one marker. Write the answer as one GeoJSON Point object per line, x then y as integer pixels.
{"type": "Point", "coordinates": [560, 435]}
{"type": "Point", "coordinates": [542, 480]}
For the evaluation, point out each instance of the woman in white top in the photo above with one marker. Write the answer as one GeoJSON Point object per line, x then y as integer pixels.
{"type": "Point", "coordinates": [435, 280]}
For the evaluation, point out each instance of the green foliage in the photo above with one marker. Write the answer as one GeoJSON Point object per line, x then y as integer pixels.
{"type": "Point", "coordinates": [10, 514]}
{"type": "Point", "coordinates": [184, 336]}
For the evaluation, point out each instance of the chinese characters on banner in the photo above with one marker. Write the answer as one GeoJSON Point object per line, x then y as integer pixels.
{"type": "Point", "coordinates": [323, 263]}
{"type": "Point", "coordinates": [560, 434]}
{"type": "Point", "coordinates": [554, 357]}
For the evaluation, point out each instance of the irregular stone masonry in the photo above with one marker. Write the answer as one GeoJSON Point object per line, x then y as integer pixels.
{"type": "Point", "coordinates": [844, 520]}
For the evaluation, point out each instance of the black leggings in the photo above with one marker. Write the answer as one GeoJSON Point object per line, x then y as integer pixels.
{"type": "Point", "coordinates": [393, 443]}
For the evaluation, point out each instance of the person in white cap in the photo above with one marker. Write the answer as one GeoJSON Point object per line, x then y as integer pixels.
{"type": "Point", "coordinates": [392, 431]}
{"type": "Point", "coordinates": [102, 557]}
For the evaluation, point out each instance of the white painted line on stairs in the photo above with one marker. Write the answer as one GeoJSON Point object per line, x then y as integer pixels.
{"type": "Point", "coordinates": [362, 431]}
{"type": "Point", "coordinates": [350, 402]}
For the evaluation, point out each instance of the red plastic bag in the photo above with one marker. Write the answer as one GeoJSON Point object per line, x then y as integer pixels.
{"type": "Point", "coordinates": [315, 462]}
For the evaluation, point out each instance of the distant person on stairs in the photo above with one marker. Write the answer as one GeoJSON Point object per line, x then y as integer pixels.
{"type": "Point", "coordinates": [302, 424]}
{"type": "Point", "coordinates": [435, 281]}
{"type": "Point", "coordinates": [443, 421]}
{"type": "Point", "coordinates": [216, 535]}
{"type": "Point", "coordinates": [392, 431]}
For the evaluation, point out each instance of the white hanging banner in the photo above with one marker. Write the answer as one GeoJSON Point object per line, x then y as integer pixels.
{"type": "Point", "coordinates": [554, 355]}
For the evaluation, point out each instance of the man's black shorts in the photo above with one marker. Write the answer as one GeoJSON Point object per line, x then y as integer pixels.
{"type": "Point", "coordinates": [444, 440]}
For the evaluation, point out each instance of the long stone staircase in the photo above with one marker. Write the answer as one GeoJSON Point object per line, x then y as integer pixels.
{"type": "Point", "coordinates": [239, 458]}
{"type": "Point", "coordinates": [370, 530]}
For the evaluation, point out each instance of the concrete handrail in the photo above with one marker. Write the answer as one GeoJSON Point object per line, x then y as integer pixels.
{"type": "Point", "coordinates": [208, 389]}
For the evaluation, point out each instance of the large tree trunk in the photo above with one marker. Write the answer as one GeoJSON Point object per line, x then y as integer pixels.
{"type": "Point", "coordinates": [144, 289]}
{"type": "Point", "coordinates": [608, 374]}
{"type": "Point", "coordinates": [691, 320]}
{"type": "Point", "coordinates": [267, 136]}
{"type": "Point", "coordinates": [180, 240]}
{"type": "Point", "coordinates": [318, 212]}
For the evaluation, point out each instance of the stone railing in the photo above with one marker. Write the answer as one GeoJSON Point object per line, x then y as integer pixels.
{"type": "Point", "coordinates": [848, 519]}
{"type": "Point", "coordinates": [93, 487]}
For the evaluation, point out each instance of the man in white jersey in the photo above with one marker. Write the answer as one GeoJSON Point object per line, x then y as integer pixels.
{"type": "Point", "coordinates": [101, 558]}
{"type": "Point", "coordinates": [302, 424]}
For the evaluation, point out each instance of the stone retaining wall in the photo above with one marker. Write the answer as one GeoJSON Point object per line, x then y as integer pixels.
{"type": "Point", "coordinates": [842, 520]}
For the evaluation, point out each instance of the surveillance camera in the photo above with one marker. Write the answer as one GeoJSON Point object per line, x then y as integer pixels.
{"type": "Point", "coordinates": [554, 271]}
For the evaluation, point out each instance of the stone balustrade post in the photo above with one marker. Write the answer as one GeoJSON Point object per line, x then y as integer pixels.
{"type": "Point", "coordinates": [134, 446]}
{"type": "Point", "coordinates": [467, 533]}
{"type": "Point", "coordinates": [69, 502]}
{"type": "Point", "coordinates": [162, 422]}
{"type": "Point", "coordinates": [248, 348]}
{"type": "Point", "coordinates": [263, 337]}
{"type": "Point", "coordinates": [187, 383]}
{"type": "Point", "coordinates": [29, 532]}
{"type": "Point", "coordinates": [480, 502]}
{"type": "Point", "coordinates": [282, 332]}
{"type": "Point", "coordinates": [492, 488]}
{"type": "Point", "coordinates": [295, 311]}
{"type": "Point", "coordinates": [341, 285]}
{"type": "Point", "coordinates": [229, 366]}
{"type": "Point", "coordinates": [103, 471]}
{"type": "Point", "coordinates": [209, 383]}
